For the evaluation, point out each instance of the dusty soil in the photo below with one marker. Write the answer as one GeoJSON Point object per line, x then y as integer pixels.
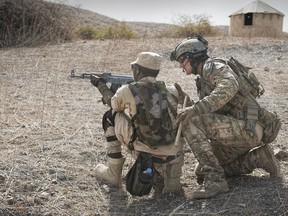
{"type": "Point", "coordinates": [51, 136]}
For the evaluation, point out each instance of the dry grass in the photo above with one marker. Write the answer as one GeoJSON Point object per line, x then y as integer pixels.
{"type": "Point", "coordinates": [34, 22]}
{"type": "Point", "coordinates": [51, 136]}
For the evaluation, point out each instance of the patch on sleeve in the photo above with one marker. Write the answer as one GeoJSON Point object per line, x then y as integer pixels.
{"type": "Point", "coordinates": [208, 67]}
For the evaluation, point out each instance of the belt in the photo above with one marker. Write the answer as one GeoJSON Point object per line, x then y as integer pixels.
{"type": "Point", "coordinates": [164, 159]}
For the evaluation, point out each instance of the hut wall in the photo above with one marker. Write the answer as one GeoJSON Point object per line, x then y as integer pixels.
{"type": "Point", "coordinates": [264, 25]}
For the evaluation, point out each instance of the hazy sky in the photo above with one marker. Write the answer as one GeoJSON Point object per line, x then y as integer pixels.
{"type": "Point", "coordinates": [168, 10]}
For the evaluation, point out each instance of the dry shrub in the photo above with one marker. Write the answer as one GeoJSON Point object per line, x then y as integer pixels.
{"type": "Point", "coordinates": [33, 22]}
{"type": "Point", "coordinates": [120, 31]}
{"type": "Point", "coordinates": [188, 26]}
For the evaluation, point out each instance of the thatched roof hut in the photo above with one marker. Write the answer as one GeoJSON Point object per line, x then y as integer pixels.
{"type": "Point", "coordinates": [257, 19]}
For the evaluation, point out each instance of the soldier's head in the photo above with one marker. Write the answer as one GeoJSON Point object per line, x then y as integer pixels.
{"type": "Point", "coordinates": [190, 50]}
{"type": "Point", "coordinates": [146, 64]}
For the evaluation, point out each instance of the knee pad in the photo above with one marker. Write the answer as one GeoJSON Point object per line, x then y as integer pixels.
{"type": "Point", "coordinates": [108, 119]}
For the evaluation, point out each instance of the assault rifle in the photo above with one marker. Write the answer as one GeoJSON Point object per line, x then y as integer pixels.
{"type": "Point", "coordinates": [116, 81]}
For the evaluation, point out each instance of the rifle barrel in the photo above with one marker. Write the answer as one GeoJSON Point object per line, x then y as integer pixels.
{"type": "Point", "coordinates": [114, 79]}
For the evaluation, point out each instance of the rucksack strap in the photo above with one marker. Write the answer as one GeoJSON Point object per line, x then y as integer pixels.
{"type": "Point", "coordinates": [139, 130]}
{"type": "Point", "coordinates": [162, 86]}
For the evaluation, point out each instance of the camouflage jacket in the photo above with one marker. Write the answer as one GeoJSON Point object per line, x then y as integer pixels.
{"type": "Point", "coordinates": [218, 92]}
{"type": "Point", "coordinates": [123, 100]}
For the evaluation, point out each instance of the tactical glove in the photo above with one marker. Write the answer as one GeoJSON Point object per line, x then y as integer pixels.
{"type": "Point", "coordinates": [100, 84]}
{"type": "Point", "coordinates": [182, 95]}
{"type": "Point", "coordinates": [97, 81]}
{"type": "Point", "coordinates": [186, 114]}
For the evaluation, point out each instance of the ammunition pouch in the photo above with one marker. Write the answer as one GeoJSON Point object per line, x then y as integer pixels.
{"type": "Point", "coordinates": [251, 115]}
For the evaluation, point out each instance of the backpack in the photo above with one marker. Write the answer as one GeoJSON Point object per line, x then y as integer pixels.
{"type": "Point", "coordinates": [152, 124]}
{"type": "Point", "coordinates": [248, 82]}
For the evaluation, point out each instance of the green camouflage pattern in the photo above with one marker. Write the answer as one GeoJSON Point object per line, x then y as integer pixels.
{"type": "Point", "coordinates": [153, 122]}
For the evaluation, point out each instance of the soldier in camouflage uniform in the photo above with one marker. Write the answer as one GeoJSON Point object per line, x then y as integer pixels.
{"type": "Point", "coordinates": [168, 159]}
{"type": "Point", "coordinates": [224, 128]}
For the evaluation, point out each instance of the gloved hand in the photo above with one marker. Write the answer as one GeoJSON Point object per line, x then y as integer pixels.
{"type": "Point", "coordinates": [186, 114]}
{"type": "Point", "coordinates": [97, 81]}
{"type": "Point", "coordinates": [182, 95]}
{"type": "Point", "coordinates": [100, 84]}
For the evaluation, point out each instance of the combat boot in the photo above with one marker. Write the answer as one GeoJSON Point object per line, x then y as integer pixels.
{"type": "Point", "coordinates": [266, 160]}
{"type": "Point", "coordinates": [210, 189]}
{"type": "Point", "coordinates": [172, 185]}
{"type": "Point", "coordinates": [171, 174]}
{"type": "Point", "coordinates": [112, 173]}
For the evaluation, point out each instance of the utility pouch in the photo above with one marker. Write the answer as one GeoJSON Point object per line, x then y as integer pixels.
{"type": "Point", "coordinates": [138, 180]}
{"type": "Point", "coordinates": [271, 124]}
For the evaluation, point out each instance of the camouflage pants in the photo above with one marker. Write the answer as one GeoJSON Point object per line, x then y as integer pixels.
{"type": "Point", "coordinates": [218, 141]}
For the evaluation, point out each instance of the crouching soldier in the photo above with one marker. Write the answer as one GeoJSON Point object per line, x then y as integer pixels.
{"type": "Point", "coordinates": [142, 119]}
{"type": "Point", "coordinates": [228, 131]}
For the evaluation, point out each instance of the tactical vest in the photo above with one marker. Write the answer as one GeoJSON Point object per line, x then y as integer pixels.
{"type": "Point", "coordinates": [152, 123]}
{"type": "Point", "coordinates": [244, 105]}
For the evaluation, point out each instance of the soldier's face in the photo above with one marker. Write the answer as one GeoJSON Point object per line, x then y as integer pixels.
{"type": "Point", "coordinates": [186, 66]}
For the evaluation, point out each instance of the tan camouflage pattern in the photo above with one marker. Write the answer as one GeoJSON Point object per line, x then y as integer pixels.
{"type": "Point", "coordinates": [213, 132]}
{"type": "Point", "coordinates": [202, 150]}
{"type": "Point", "coordinates": [260, 157]}
{"type": "Point", "coordinates": [227, 135]}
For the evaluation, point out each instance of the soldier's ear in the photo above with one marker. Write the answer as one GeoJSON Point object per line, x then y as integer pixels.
{"type": "Point", "coordinates": [137, 69]}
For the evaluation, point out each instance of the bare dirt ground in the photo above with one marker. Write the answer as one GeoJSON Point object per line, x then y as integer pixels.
{"type": "Point", "coordinates": [51, 136]}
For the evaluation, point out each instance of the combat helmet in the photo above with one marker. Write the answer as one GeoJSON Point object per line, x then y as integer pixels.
{"type": "Point", "coordinates": [192, 48]}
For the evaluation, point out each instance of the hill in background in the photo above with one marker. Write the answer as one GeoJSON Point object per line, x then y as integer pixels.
{"type": "Point", "coordinates": [143, 29]}
{"type": "Point", "coordinates": [36, 22]}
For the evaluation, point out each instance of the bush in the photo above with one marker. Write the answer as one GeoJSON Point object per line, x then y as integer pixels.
{"type": "Point", "coordinates": [33, 22]}
{"type": "Point", "coordinates": [87, 32]}
{"type": "Point", "coordinates": [188, 26]}
{"type": "Point", "coordinates": [121, 31]}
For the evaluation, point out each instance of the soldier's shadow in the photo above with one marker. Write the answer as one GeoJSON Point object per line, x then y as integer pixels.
{"type": "Point", "coordinates": [154, 203]}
